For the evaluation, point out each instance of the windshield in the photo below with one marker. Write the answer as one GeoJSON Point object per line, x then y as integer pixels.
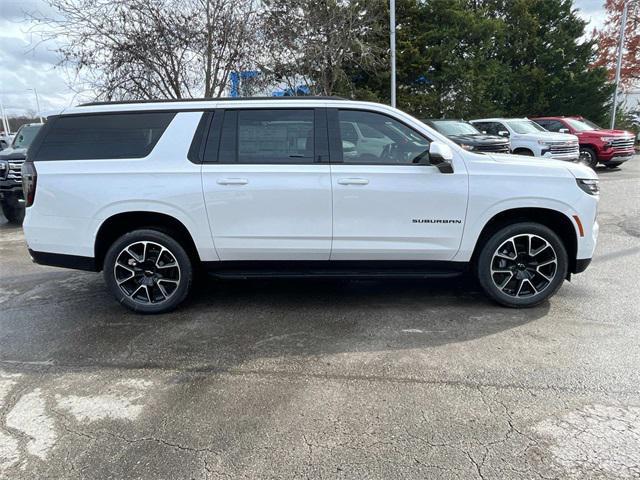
{"type": "Point", "coordinates": [524, 126]}
{"type": "Point", "coordinates": [579, 126]}
{"type": "Point", "coordinates": [452, 127]}
{"type": "Point", "coordinates": [25, 136]}
{"type": "Point", "coordinates": [591, 124]}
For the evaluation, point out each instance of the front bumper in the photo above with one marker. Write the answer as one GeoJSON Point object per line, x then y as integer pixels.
{"type": "Point", "coordinates": [566, 157]}
{"type": "Point", "coordinates": [581, 265]}
{"type": "Point", "coordinates": [618, 159]}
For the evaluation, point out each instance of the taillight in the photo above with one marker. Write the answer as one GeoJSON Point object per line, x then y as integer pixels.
{"type": "Point", "coordinates": [29, 180]}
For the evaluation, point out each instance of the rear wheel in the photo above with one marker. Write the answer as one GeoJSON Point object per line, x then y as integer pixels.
{"type": "Point", "coordinates": [12, 210]}
{"type": "Point", "coordinates": [148, 271]}
{"type": "Point", "coordinates": [522, 265]}
{"type": "Point", "coordinates": [588, 157]}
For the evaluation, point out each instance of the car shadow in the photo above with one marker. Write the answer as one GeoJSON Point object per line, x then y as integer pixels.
{"type": "Point", "coordinates": [69, 319]}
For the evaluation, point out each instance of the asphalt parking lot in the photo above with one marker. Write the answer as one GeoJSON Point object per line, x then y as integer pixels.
{"type": "Point", "coordinates": [326, 379]}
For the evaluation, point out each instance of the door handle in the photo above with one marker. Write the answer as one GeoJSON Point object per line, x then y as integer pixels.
{"type": "Point", "coordinates": [353, 181]}
{"type": "Point", "coordinates": [232, 181]}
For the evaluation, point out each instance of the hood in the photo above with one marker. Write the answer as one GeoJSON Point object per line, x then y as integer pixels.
{"type": "Point", "coordinates": [479, 139]}
{"type": "Point", "coordinates": [548, 136]}
{"type": "Point", "coordinates": [13, 154]}
{"type": "Point", "coordinates": [551, 166]}
{"type": "Point", "coordinates": [605, 133]}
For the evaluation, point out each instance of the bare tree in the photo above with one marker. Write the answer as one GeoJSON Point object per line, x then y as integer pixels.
{"type": "Point", "coordinates": [311, 41]}
{"type": "Point", "coordinates": [138, 49]}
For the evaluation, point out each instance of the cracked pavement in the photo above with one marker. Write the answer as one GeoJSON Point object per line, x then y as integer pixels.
{"type": "Point", "coordinates": [326, 379]}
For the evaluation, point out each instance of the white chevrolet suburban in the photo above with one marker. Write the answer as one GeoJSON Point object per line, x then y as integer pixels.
{"type": "Point", "coordinates": [271, 187]}
{"type": "Point", "coordinates": [526, 137]}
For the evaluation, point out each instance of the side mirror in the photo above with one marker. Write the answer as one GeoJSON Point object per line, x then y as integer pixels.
{"type": "Point", "coordinates": [441, 157]}
{"type": "Point", "coordinates": [503, 133]}
{"type": "Point", "coordinates": [564, 130]}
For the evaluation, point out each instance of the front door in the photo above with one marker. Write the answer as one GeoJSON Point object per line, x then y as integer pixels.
{"type": "Point", "coordinates": [385, 206]}
{"type": "Point", "coordinates": [267, 195]}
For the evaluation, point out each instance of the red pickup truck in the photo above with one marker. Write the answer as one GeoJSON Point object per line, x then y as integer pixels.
{"type": "Point", "coordinates": [597, 145]}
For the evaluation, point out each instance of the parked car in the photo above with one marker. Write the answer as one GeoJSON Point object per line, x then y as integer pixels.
{"type": "Point", "coordinates": [11, 160]}
{"type": "Point", "coordinates": [529, 138]}
{"type": "Point", "coordinates": [611, 148]}
{"type": "Point", "coordinates": [5, 140]}
{"type": "Point", "coordinates": [469, 137]}
{"type": "Point", "coordinates": [264, 187]}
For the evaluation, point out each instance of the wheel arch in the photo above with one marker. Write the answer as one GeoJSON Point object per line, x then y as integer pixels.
{"type": "Point", "coordinates": [519, 150]}
{"type": "Point", "coordinates": [118, 224]}
{"type": "Point", "coordinates": [553, 219]}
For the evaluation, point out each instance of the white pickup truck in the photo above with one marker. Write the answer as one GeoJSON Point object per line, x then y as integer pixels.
{"type": "Point", "coordinates": [528, 138]}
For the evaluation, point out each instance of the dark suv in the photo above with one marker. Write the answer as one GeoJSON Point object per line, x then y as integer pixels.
{"type": "Point", "coordinates": [11, 160]}
{"type": "Point", "coordinates": [469, 137]}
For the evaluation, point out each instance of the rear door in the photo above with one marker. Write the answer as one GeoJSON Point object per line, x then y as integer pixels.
{"type": "Point", "coordinates": [266, 184]}
{"type": "Point", "coordinates": [385, 206]}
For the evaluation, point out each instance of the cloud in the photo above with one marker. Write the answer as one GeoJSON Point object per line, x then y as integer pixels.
{"type": "Point", "coordinates": [27, 63]}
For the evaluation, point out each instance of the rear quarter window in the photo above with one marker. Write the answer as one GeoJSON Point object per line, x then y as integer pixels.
{"type": "Point", "coordinates": [105, 136]}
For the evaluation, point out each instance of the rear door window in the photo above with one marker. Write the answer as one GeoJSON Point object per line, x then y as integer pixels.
{"type": "Point", "coordinates": [103, 136]}
{"type": "Point", "coordinates": [267, 136]}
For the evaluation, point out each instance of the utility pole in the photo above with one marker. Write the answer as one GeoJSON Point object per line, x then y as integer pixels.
{"type": "Point", "coordinates": [5, 121]}
{"type": "Point", "coordinates": [392, 31]}
{"type": "Point", "coordinates": [37, 104]}
{"type": "Point", "coordinates": [623, 25]}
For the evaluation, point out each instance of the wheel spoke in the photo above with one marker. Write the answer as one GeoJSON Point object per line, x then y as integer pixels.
{"type": "Point", "coordinates": [537, 251]}
{"type": "Point", "coordinates": [548, 262]}
{"type": "Point", "coordinates": [172, 264]}
{"type": "Point", "coordinates": [120, 282]}
{"type": "Point", "coordinates": [162, 290]}
{"type": "Point", "coordinates": [547, 278]}
{"type": "Point", "coordinates": [506, 282]}
{"type": "Point", "coordinates": [503, 255]}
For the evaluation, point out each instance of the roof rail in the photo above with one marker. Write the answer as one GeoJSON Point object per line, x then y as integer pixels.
{"type": "Point", "coordinates": [218, 99]}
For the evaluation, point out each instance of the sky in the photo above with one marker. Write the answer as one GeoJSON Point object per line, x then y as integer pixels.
{"type": "Point", "coordinates": [26, 63]}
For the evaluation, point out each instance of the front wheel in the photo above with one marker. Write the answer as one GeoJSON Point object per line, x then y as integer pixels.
{"type": "Point", "coordinates": [148, 271]}
{"type": "Point", "coordinates": [522, 265]}
{"type": "Point", "coordinates": [588, 157]}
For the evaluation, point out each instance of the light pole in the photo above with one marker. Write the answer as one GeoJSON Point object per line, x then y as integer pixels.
{"type": "Point", "coordinates": [5, 121]}
{"type": "Point", "coordinates": [623, 25]}
{"type": "Point", "coordinates": [37, 103]}
{"type": "Point", "coordinates": [392, 31]}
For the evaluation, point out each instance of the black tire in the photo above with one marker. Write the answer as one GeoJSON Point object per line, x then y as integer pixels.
{"type": "Point", "coordinates": [523, 151]}
{"type": "Point", "coordinates": [153, 272]}
{"type": "Point", "coordinates": [545, 283]}
{"type": "Point", "coordinates": [588, 157]}
{"type": "Point", "coordinates": [13, 210]}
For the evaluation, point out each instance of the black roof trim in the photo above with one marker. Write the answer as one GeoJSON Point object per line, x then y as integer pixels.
{"type": "Point", "coordinates": [219, 99]}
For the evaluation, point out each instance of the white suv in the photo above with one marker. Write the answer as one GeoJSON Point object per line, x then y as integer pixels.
{"type": "Point", "coordinates": [528, 138]}
{"type": "Point", "coordinates": [148, 192]}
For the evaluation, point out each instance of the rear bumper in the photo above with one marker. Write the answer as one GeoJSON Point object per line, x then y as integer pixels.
{"type": "Point", "coordinates": [64, 261]}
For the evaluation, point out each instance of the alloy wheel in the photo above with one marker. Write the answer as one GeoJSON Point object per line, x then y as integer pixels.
{"type": "Point", "coordinates": [524, 265]}
{"type": "Point", "coordinates": [585, 158]}
{"type": "Point", "coordinates": [147, 272]}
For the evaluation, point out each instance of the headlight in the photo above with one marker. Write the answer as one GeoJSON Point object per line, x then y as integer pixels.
{"type": "Point", "coordinates": [590, 186]}
{"type": "Point", "coordinates": [608, 140]}
{"type": "Point", "coordinates": [544, 143]}
{"type": "Point", "coordinates": [467, 147]}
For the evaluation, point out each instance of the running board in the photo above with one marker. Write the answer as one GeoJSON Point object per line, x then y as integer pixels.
{"type": "Point", "coordinates": [335, 269]}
